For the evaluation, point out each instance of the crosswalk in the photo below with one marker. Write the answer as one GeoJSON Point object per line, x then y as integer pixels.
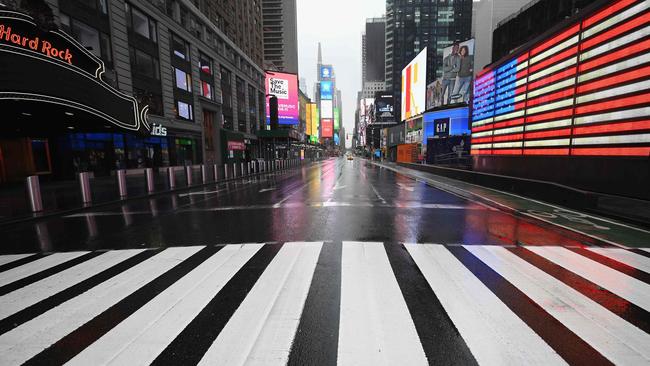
{"type": "Point", "coordinates": [346, 303]}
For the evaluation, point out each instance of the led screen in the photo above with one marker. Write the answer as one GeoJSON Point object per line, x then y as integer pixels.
{"type": "Point", "coordinates": [308, 119]}
{"type": "Point", "coordinates": [327, 128]}
{"type": "Point", "coordinates": [285, 87]}
{"type": "Point", "coordinates": [326, 109]}
{"type": "Point", "coordinates": [585, 90]}
{"type": "Point", "coordinates": [414, 84]}
{"type": "Point", "coordinates": [455, 85]}
{"type": "Point", "coordinates": [337, 119]}
{"type": "Point", "coordinates": [457, 123]}
{"type": "Point", "coordinates": [326, 90]}
{"type": "Point", "coordinates": [325, 72]}
{"type": "Point", "coordinates": [314, 120]}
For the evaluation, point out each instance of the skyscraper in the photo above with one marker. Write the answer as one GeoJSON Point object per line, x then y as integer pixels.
{"type": "Point", "coordinates": [280, 35]}
{"type": "Point", "coordinates": [374, 50]}
{"type": "Point", "coordinates": [412, 26]}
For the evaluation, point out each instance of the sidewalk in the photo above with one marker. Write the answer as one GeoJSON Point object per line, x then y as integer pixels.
{"type": "Point", "coordinates": [602, 229]}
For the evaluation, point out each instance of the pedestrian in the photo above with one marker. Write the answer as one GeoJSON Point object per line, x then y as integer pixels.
{"type": "Point", "coordinates": [465, 72]}
{"type": "Point", "coordinates": [450, 67]}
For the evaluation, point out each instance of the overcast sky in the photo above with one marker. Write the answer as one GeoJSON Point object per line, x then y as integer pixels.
{"type": "Point", "coordinates": [338, 25]}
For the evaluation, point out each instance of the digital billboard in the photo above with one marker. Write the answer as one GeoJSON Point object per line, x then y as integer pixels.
{"type": "Point", "coordinates": [327, 128]}
{"type": "Point", "coordinates": [455, 85]}
{"type": "Point", "coordinates": [446, 122]}
{"type": "Point", "coordinates": [414, 84]}
{"type": "Point", "coordinates": [337, 119]}
{"type": "Point", "coordinates": [326, 90]}
{"type": "Point", "coordinates": [384, 108]}
{"type": "Point", "coordinates": [285, 87]}
{"type": "Point", "coordinates": [326, 109]}
{"type": "Point", "coordinates": [325, 72]}
{"type": "Point", "coordinates": [315, 118]}
{"type": "Point", "coordinates": [583, 91]}
{"type": "Point", "coordinates": [308, 119]}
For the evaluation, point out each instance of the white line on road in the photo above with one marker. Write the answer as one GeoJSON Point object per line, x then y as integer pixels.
{"type": "Point", "coordinates": [375, 325]}
{"type": "Point", "coordinates": [140, 338]}
{"type": "Point", "coordinates": [377, 193]}
{"type": "Point", "coordinates": [625, 256]}
{"type": "Point", "coordinates": [36, 266]}
{"type": "Point", "coordinates": [267, 189]}
{"type": "Point", "coordinates": [12, 258]}
{"type": "Point", "coordinates": [494, 334]}
{"type": "Point", "coordinates": [263, 327]}
{"type": "Point", "coordinates": [612, 336]}
{"type": "Point", "coordinates": [627, 287]}
{"type": "Point", "coordinates": [405, 187]}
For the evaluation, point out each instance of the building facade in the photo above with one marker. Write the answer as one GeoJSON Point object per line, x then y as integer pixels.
{"type": "Point", "coordinates": [202, 91]}
{"type": "Point", "coordinates": [373, 58]}
{"type": "Point", "coordinates": [412, 26]}
{"type": "Point", "coordinates": [280, 35]}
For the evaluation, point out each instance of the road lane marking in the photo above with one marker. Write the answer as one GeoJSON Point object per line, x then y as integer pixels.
{"type": "Point", "coordinates": [625, 256]}
{"type": "Point", "coordinates": [263, 327]}
{"type": "Point", "coordinates": [36, 266]}
{"type": "Point", "coordinates": [377, 193]}
{"type": "Point", "coordinates": [494, 334]}
{"type": "Point", "coordinates": [406, 187]}
{"type": "Point", "coordinates": [201, 193]}
{"type": "Point", "coordinates": [27, 340]}
{"type": "Point", "coordinates": [141, 337]}
{"type": "Point", "coordinates": [616, 339]}
{"type": "Point", "coordinates": [627, 287]}
{"type": "Point", "coordinates": [267, 189]}
{"type": "Point", "coordinates": [375, 325]}
{"type": "Point", "coordinates": [38, 291]}
{"type": "Point", "coordinates": [4, 259]}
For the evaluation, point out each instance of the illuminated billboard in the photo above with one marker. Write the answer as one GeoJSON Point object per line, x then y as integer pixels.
{"type": "Point", "coordinates": [583, 91]}
{"type": "Point", "coordinates": [315, 118]}
{"type": "Point", "coordinates": [308, 111]}
{"type": "Point", "coordinates": [325, 72]}
{"type": "Point", "coordinates": [327, 128]}
{"type": "Point", "coordinates": [414, 84]}
{"type": "Point", "coordinates": [285, 87]}
{"type": "Point", "coordinates": [455, 85]}
{"type": "Point", "coordinates": [326, 90]}
{"type": "Point", "coordinates": [326, 109]}
{"type": "Point", "coordinates": [337, 119]}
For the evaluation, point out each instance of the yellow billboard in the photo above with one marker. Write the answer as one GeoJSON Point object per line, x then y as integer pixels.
{"type": "Point", "coordinates": [308, 119]}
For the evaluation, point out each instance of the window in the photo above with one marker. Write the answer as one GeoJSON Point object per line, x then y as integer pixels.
{"type": "Point", "coordinates": [206, 90]}
{"type": "Point", "coordinates": [180, 48]}
{"type": "Point", "coordinates": [183, 80]}
{"type": "Point", "coordinates": [141, 24]}
{"type": "Point", "coordinates": [205, 64]}
{"type": "Point", "coordinates": [95, 41]}
{"type": "Point", "coordinates": [144, 65]}
{"type": "Point", "coordinates": [153, 100]}
{"type": "Point", "coordinates": [184, 110]}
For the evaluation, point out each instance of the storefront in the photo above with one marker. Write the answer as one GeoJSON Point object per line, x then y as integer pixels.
{"type": "Point", "coordinates": [238, 147]}
{"type": "Point", "coordinates": [59, 115]}
{"type": "Point", "coordinates": [281, 143]}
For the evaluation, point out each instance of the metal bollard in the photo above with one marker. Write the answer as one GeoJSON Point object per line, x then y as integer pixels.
{"type": "Point", "coordinates": [204, 174]}
{"type": "Point", "coordinates": [171, 176]}
{"type": "Point", "coordinates": [188, 175]}
{"type": "Point", "coordinates": [225, 171]}
{"type": "Point", "coordinates": [234, 170]}
{"type": "Point", "coordinates": [242, 169]}
{"type": "Point", "coordinates": [253, 165]}
{"type": "Point", "coordinates": [215, 172]}
{"type": "Point", "coordinates": [149, 177]}
{"type": "Point", "coordinates": [121, 182]}
{"type": "Point", "coordinates": [34, 193]}
{"type": "Point", "coordinates": [84, 185]}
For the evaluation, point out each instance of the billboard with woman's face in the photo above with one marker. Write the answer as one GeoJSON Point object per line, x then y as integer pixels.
{"type": "Point", "coordinates": [455, 85]}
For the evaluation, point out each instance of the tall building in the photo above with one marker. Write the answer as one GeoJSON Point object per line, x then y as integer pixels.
{"type": "Point", "coordinates": [327, 97]}
{"type": "Point", "coordinates": [532, 20]}
{"type": "Point", "coordinates": [239, 20]}
{"type": "Point", "coordinates": [280, 21]}
{"type": "Point", "coordinates": [412, 26]}
{"type": "Point", "coordinates": [373, 56]}
{"type": "Point", "coordinates": [204, 95]}
{"type": "Point", "coordinates": [486, 14]}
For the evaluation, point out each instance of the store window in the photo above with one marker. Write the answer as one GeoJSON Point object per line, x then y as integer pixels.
{"type": "Point", "coordinates": [184, 110]}
{"type": "Point", "coordinates": [183, 80]}
{"type": "Point", "coordinates": [180, 48]}
{"type": "Point", "coordinates": [141, 24]}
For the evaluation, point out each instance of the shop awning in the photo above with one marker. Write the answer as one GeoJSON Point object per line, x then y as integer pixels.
{"type": "Point", "coordinates": [49, 82]}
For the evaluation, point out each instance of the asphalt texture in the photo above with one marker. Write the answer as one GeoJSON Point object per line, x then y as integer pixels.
{"type": "Point", "coordinates": [332, 200]}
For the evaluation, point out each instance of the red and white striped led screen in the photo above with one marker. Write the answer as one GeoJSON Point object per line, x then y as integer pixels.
{"type": "Point", "coordinates": [583, 91]}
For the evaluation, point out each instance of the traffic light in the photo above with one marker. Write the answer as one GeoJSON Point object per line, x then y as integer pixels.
{"type": "Point", "coordinates": [273, 112]}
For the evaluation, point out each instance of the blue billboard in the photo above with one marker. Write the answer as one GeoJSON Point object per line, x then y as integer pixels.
{"type": "Point", "coordinates": [326, 90]}
{"type": "Point", "coordinates": [325, 72]}
{"type": "Point", "coordinates": [446, 122]}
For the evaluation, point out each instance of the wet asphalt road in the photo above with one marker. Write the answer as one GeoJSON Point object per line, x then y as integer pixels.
{"type": "Point", "coordinates": [332, 200]}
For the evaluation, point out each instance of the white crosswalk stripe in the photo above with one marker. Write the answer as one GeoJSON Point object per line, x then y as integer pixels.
{"type": "Point", "coordinates": [564, 287]}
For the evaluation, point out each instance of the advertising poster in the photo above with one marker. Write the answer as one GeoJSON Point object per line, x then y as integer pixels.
{"type": "Point", "coordinates": [326, 109]}
{"type": "Point", "coordinates": [384, 109]}
{"type": "Point", "coordinates": [455, 85]}
{"type": "Point", "coordinates": [337, 119]}
{"type": "Point", "coordinates": [327, 128]}
{"type": "Point", "coordinates": [414, 83]}
{"type": "Point", "coordinates": [314, 120]}
{"type": "Point", "coordinates": [308, 110]}
{"type": "Point", "coordinates": [285, 87]}
{"type": "Point", "coordinates": [326, 90]}
{"type": "Point", "coordinates": [325, 72]}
